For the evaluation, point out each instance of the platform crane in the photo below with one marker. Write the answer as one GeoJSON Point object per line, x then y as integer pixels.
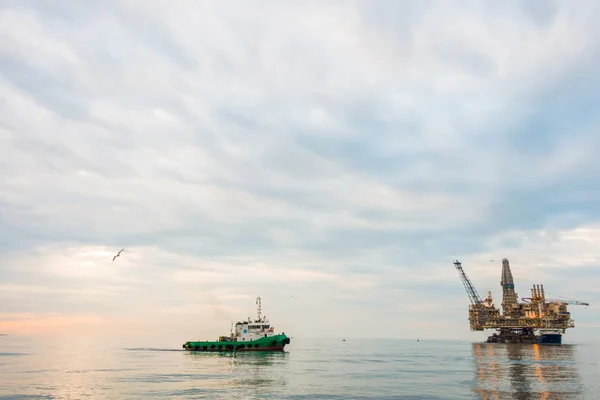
{"type": "Point", "coordinates": [480, 311]}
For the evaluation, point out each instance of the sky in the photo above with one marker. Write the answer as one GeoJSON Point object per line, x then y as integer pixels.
{"type": "Point", "coordinates": [334, 158]}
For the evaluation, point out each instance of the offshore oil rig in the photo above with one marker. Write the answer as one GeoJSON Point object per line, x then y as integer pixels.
{"type": "Point", "coordinates": [518, 322]}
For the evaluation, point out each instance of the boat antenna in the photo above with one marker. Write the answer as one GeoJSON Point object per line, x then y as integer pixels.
{"type": "Point", "coordinates": [259, 304]}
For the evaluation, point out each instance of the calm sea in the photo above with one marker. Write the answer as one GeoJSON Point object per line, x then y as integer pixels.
{"type": "Point", "coordinates": [309, 369]}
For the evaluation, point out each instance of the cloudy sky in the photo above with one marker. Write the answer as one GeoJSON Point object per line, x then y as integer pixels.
{"type": "Point", "coordinates": [332, 157]}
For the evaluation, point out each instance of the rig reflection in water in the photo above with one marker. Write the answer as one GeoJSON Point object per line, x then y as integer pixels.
{"type": "Point", "coordinates": [515, 371]}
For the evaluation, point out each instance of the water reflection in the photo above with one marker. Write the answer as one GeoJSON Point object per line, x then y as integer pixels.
{"type": "Point", "coordinates": [523, 372]}
{"type": "Point", "coordinates": [255, 358]}
{"type": "Point", "coordinates": [252, 371]}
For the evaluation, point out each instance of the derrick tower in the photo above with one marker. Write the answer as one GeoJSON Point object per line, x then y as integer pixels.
{"type": "Point", "coordinates": [510, 304]}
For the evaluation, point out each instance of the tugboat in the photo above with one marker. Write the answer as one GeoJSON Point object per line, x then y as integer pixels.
{"type": "Point", "coordinates": [257, 335]}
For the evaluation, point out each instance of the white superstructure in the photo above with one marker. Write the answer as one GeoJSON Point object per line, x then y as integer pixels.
{"type": "Point", "coordinates": [253, 329]}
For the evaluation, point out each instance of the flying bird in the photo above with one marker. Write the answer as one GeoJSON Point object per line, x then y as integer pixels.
{"type": "Point", "coordinates": [118, 254]}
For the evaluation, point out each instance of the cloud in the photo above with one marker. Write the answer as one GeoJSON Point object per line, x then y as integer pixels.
{"type": "Point", "coordinates": [341, 153]}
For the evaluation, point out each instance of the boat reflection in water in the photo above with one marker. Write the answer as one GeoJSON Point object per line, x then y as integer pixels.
{"type": "Point", "coordinates": [514, 371]}
{"type": "Point", "coordinates": [252, 372]}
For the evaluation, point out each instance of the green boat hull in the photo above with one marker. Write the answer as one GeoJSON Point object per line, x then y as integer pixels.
{"type": "Point", "coordinates": [271, 343]}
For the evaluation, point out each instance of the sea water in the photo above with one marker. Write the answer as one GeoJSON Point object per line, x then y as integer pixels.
{"type": "Point", "coordinates": [308, 369]}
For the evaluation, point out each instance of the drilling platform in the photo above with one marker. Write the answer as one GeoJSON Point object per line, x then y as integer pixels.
{"type": "Point", "coordinates": [518, 322]}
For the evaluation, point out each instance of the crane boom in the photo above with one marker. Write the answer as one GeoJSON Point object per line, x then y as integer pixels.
{"type": "Point", "coordinates": [471, 291]}
{"type": "Point", "coordinates": [573, 302]}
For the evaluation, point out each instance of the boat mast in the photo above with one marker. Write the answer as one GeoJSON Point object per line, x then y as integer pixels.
{"type": "Point", "coordinates": [259, 309]}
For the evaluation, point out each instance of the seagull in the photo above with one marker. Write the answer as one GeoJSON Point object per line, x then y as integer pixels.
{"type": "Point", "coordinates": [118, 254]}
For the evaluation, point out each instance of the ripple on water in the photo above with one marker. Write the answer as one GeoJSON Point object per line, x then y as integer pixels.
{"type": "Point", "coordinates": [307, 370]}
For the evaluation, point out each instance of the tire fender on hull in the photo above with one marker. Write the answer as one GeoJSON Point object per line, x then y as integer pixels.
{"type": "Point", "coordinates": [275, 343]}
